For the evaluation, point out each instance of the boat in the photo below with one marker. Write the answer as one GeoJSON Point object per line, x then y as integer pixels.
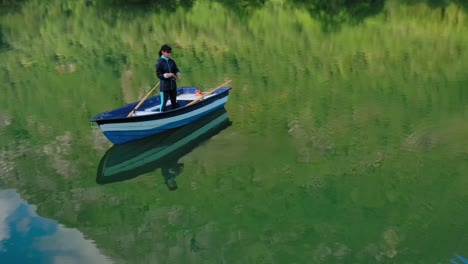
{"type": "Point", "coordinates": [144, 118]}
{"type": "Point", "coordinates": [127, 161]}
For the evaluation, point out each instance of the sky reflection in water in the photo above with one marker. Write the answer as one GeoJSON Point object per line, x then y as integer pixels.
{"type": "Point", "coordinates": [26, 237]}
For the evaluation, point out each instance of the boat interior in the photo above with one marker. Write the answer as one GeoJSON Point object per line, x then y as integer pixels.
{"type": "Point", "coordinates": [183, 99]}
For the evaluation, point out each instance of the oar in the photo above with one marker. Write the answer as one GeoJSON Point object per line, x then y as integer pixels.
{"type": "Point", "coordinates": [142, 100]}
{"type": "Point", "coordinates": [208, 93]}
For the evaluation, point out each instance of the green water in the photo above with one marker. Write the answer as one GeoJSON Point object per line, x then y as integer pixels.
{"type": "Point", "coordinates": [348, 141]}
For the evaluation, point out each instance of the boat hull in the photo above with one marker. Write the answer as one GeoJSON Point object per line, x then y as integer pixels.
{"type": "Point", "coordinates": [120, 129]}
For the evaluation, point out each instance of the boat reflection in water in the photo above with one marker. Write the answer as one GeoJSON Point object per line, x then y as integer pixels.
{"type": "Point", "coordinates": [127, 161]}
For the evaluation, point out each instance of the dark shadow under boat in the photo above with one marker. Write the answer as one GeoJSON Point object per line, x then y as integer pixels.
{"type": "Point", "coordinates": [127, 161]}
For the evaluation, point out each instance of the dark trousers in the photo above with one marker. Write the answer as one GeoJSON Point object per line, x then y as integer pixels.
{"type": "Point", "coordinates": [172, 94]}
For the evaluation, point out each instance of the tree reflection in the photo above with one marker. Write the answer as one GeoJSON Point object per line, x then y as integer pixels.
{"type": "Point", "coordinates": [10, 5]}
{"type": "Point", "coordinates": [243, 6]}
{"type": "Point", "coordinates": [3, 43]}
{"type": "Point", "coordinates": [150, 5]}
{"type": "Point", "coordinates": [438, 3]}
{"type": "Point", "coordinates": [332, 14]}
{"type": "Point", "coordinates": [240, 6]}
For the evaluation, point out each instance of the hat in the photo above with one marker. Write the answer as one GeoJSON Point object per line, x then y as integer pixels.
{"type": "Point", "coordinates": [166, 47]}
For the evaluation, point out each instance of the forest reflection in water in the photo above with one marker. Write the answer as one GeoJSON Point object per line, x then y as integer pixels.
{"type": "Point", "coordinates": [346, 140]}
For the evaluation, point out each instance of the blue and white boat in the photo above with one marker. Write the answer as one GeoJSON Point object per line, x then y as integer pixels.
{"type": "Point", "coordinates": [124, 124]}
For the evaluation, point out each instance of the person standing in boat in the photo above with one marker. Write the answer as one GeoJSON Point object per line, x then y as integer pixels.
{"type": "Point", "coordinates": [167, 71]}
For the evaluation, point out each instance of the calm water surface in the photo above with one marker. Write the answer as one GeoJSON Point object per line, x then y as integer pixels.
{"type": "Point", "coordinates": [344, 139]}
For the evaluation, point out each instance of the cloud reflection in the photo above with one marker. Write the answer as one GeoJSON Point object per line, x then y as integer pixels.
{"type": "Point", "coordinates": [26, 237]}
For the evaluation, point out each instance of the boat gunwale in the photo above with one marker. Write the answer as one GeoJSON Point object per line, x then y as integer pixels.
{"type": "Point", "coordinates": [160, 115]}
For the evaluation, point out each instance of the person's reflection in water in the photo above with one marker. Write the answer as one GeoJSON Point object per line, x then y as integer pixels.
{"type": "Point", "coordinates": [170, 171]}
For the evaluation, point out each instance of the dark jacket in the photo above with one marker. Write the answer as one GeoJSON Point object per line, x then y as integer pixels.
{"type": "Point", "coordinates": [166, 66]}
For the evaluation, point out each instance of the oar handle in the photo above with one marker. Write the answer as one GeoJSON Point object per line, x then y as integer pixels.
{"type": "Point", "coordinates": [208, 93]}
{"type": "Point", "coordinates": [142, 100]}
